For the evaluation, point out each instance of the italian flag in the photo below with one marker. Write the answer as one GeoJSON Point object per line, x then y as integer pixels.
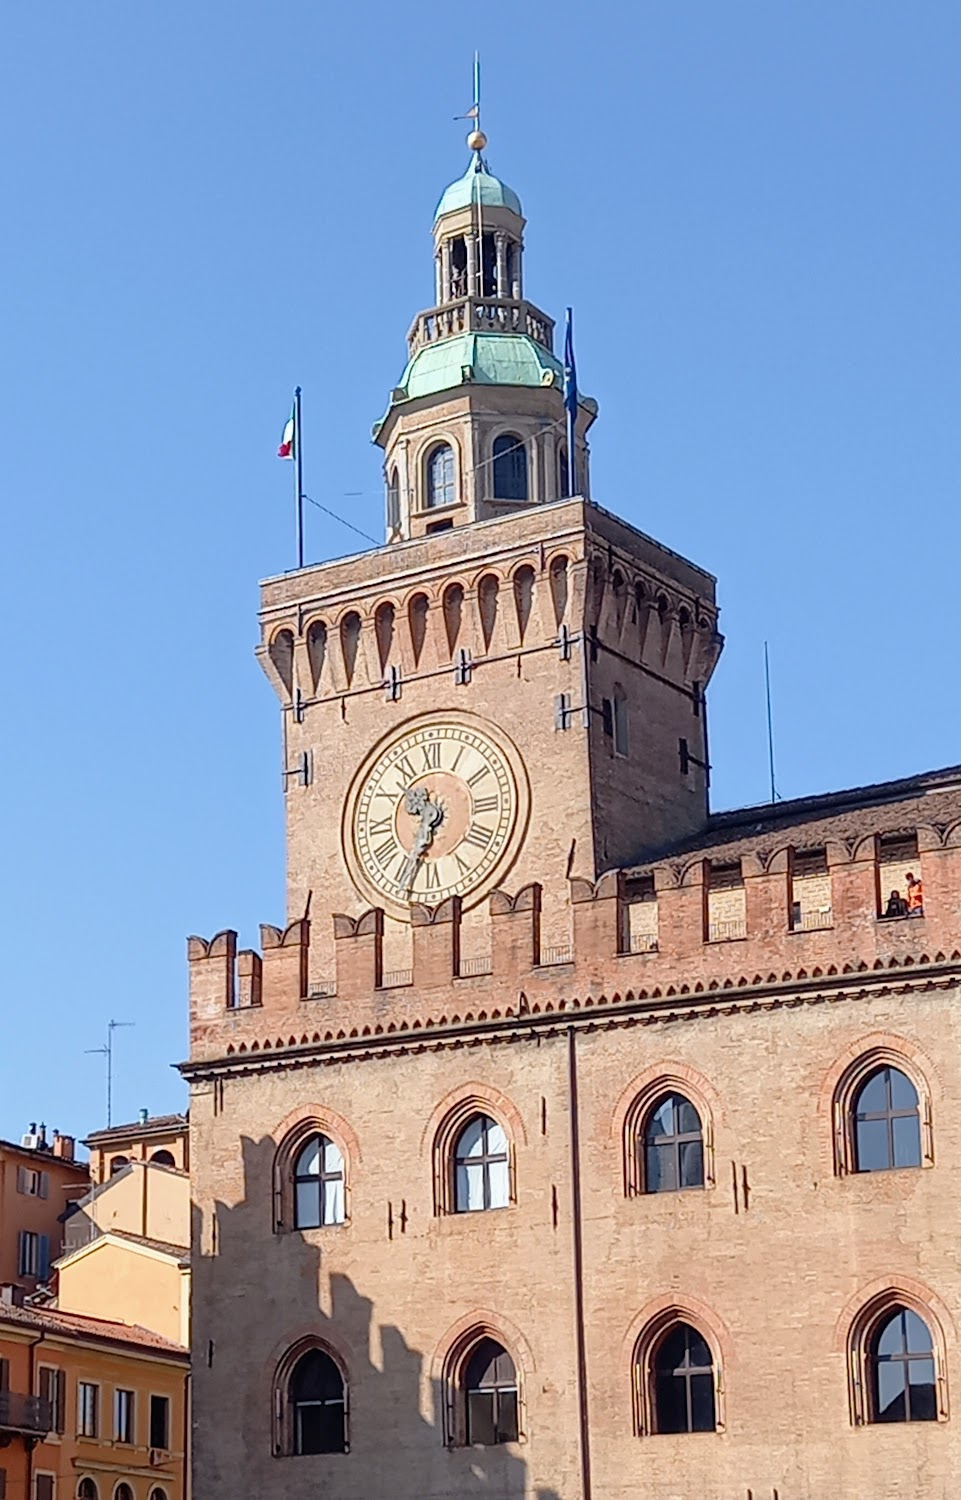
{"type": "Point", "coordinates": [286, 449]}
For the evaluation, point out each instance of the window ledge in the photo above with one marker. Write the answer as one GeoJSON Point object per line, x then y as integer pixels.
{"type": "Point", "coordinates": [803, 931]}
{"type": "Point", "coordinates": [440, 510]}
{"type": "Point", "coordinates": [908, 916]}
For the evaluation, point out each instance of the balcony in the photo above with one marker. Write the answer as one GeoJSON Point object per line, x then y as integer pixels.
{"type": "Point", "coordinates": [727, 932]}
{"type": "Point", "coordinates": [30, 1416]}
{"type": "Point", "coordinates": [480, 315]}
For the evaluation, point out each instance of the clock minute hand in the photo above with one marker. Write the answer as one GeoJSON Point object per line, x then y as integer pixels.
{"type": "Point", "coordinates": [417, 801]}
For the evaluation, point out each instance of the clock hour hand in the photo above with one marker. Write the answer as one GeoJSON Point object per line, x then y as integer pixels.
{"type": "Point", "coordinates": [418, 804]}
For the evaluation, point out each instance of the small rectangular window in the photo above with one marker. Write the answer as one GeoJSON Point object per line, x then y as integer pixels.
{"type": "Point", "coordinates": [51, 1386]}
{"type": "Point", "coordinates": [159, 1422]}
{"type": "Point", "coordinates": [900, 892]}
{"type": "Point", "coordinates": [726, 909]}
{"type": "Point", "coordinates": [810, 893]}
{"type": "Point", "coordinates": [123, 1416]}
{"type": "Point", "coordinates": [3, 1484]}
{"type": "Point", "coordinates": [28, 1253]}
{"type": "Point", "coordinates": [44, 1486]}
{"type": "Point", "coordinates": [620, 725]}
{"type": "Point", "coordinates": [4, 1374]}
{"type": "Point", "coordinates": [639, 933]}
{"type": "Point", "coordinates": [88, 1409]}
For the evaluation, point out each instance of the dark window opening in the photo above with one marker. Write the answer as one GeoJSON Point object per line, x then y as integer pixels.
{"type": "Point", "coordinates": [117, 1164]}
{"type": "Point", "coordinates": [563, 474]}
{"type": "Point", "coordinates": [488, 266]}
{"type": "Point", "coordinates": [510, 468]}
{"type": "Point", "coordinates": [901, 1368]}
{"type": "Point", "coordinates": [159, 1422]}
{"type": "Point", "coordinates": [490, 1384]}
{"type": "Point", "coordinates": [393, 502]}
{"type": "Point", "coordinates": [163, 1158]}
{"type": "Point", "coordinates": [887, 1126]}
{"type": "Point", "coordinates": [458, 268]}
{"type": "Point", "coordinates": [433, 527]}
{"type": "Point", "coordinates": [319, 1405]}
{"type": "Point", "coordinates": [673, 1146]}
{"type": "Point", "coordinates": [683, 1377]}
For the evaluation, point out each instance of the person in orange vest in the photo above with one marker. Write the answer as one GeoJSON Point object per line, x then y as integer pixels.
{"type": "Point", "coordinates": [915, 896]}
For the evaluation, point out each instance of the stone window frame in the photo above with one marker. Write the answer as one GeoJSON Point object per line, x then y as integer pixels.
{"type": "Point", "coordinates": [845, 1095]}
{"type": "Point", "coordinates": [454, 1400]}
{"type": "Point", "coordinates": [444, 1129]}
{"type": "Point", "coordinates": [862, 1328]}
{"type": "Point", "coordinates": [650, 1338]}
{"type": "Point", "coordinates": [294, 1135]}
{"type": "Point", "coordinates": [524, 443]}
{"type": "Point", "coordinates": [635, 1117]}
{"type": "Point", "coordinates": [282, 1436]}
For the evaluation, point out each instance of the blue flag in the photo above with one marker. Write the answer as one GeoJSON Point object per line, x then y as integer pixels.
{"type": "Point", "coordinates": [570, 369]}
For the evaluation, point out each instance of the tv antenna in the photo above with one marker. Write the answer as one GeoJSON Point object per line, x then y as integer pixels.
{"type": "Point", "coordinates": [107, 1052]}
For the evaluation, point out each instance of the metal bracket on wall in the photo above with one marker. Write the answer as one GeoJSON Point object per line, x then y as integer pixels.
{"type": "Point", "coordinates": [302, 770]}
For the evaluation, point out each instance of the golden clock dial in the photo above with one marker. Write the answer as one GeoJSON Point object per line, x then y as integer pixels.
{"type": "Point", "coordinates": [434, 814]}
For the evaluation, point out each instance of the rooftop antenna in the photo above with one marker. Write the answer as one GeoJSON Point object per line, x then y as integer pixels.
{"type": "Point", "coordinates": [775, 795]}
{"type": "Point", "coordinates": [107, 1052]}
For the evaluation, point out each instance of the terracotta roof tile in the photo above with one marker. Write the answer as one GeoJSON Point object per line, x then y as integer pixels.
{"type": "Point", "coordinates": [55, 1320]}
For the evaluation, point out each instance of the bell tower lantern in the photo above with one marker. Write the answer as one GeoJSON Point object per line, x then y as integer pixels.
{"type": "Point", "coordinates": [477, 425]}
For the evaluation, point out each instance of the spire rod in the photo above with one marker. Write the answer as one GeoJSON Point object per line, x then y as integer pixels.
{"type": "Point", "coordinates": [476, 140]}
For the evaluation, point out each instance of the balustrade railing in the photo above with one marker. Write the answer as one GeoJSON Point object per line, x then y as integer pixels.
{"type": "Point", "coordinates": [396, 979]}
{"type": "Point", "coordinates": [480, 964]}
{"type": "Point", "coordinates": [810, 921]}
{"type": "Point", "coordinates": [21, 1413]}
{"type": "Point", "coordinates": [642, 942]}
{"type": "Point", "coordinates": [322, 989]}
{"type": "Point", "coordinates": [726, 932]}
{"type": "Point", "coordinates": [481, 315]}
{"type": "Point", "coordinates": [557, 955]}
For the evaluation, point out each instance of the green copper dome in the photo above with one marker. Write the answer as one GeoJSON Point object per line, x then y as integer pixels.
{"type": "Point", "coordinates": [481, 358]}
{"type": "Point", "coordinates": [477, 187]}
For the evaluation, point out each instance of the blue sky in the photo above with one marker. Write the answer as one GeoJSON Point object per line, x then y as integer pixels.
{"type": "Point", "coordinates": [753, 209]}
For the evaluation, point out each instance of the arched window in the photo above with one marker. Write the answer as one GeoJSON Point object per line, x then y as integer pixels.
{"type": "Point", "coordinates": [510, 468]}
{"type": "Point", "coordinates": [117, 1164]}
{"type": "Point", "coordinates": [163, 1158]}
{"type": "Point", "coordinates": [682, 1382]}
{"type": "Point", "coordinates": [481, 1166]}
{"type": "Point", "coordinates": [901, 1369]}
{"type": "Point", "coordinates": [157, 1493]}
{"type": "Point", "coordinates": [490, 1395]}
{"type": "Point", "coordinates": [673, 1146]}
{"type": "Point", "coordinates": [123, 1492]}
{"type": "Point", "coordinates": [318, 1405]}
{"type": "Point", "coordinates": [87, 1490]}
{"type": "Point", "coordinates": [318, 1184]}
{"type": "Point", "coordinates": [393, 501]}
{"type": "Point", "coordinates": [887, 1126]}
{"type": "Point", "coordinates": [440, 477]}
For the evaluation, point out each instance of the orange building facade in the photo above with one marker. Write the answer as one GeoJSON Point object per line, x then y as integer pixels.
{"type": "Point", "coordinates": [89, 1409]}
{"type": "Point", "coordinates": [38, 1180]}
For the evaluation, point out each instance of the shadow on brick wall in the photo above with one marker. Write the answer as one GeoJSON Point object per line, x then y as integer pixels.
{"type": "Point", "coordinates": [256, 1294]}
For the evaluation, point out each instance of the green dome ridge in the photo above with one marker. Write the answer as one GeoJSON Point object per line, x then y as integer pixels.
{"type": "Point", "coordinates": [477, 186]}
{"type": "Point", "coordinates": [491, 358]}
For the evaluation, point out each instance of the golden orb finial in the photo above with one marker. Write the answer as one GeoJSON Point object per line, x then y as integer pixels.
{"type": "Point", "coordinates": [476, 141]}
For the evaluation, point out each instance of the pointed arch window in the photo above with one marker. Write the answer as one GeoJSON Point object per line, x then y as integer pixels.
{"type": "Point", "coordinates": [481, 1166]}
{"type": "Point", "coordinates": [887, 1125]}
{"type": "Point", "coordinates": [682, 1374]}
{"type": "Point", "coordinates": [440, 477]}
{"type": "Point", "coordinates": [510, 467]}
{"type": "Point", "coordinates": [318, 1184]}
{"type": "Point", "coordinates": [901, 1369]}
{"type": "Point", "coordinates": [318, 1405]}
{"type": "Point", "coordinates": [490, 1395]}
{"type": "Point", "coordinates": [87, 1490]}
{"type": "Point", "coordinates": [672, 1145]}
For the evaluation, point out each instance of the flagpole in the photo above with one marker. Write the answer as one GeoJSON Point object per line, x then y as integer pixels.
{"type": "Point", "coordinates": [299, 478]}
{"type": "Point", "coordinates": [570, 399]}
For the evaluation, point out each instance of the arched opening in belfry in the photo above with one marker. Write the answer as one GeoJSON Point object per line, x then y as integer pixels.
{"type": "Point", "coordinates": [510, 467]}
{"type": "Point", "coordinates": [488, 266]}
{"type": "Point", "coordinates": [458, 267]}
{"type": "Point", "coordinates": [487, 592]}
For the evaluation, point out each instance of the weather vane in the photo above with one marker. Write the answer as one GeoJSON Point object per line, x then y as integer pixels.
{"type": "Point", "coordinates": [476, 140]}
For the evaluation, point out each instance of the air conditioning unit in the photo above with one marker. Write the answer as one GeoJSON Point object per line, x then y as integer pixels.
{"type": "Point", "coordinates": [158, 1456]}
{"type": "Point", "coordinates": [30, 1142]}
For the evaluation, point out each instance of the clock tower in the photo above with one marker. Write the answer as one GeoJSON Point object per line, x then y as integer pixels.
{"type": "Point", "coordinates": [512, 689]}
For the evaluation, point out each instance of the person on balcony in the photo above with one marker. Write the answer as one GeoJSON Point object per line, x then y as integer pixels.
{"type": "Point", "coordinates": [897, 906]}
{"type": "Point", "coordinates": [915, 901]}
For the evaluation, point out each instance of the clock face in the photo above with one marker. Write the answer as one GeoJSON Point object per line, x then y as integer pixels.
{"type": "Point", "coordinates": [434, 814]}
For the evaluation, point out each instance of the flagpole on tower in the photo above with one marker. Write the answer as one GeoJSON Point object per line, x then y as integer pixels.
{"type": "Point", "coordinates": [299, 478]}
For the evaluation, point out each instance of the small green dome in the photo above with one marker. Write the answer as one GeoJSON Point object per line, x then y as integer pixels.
{"type": "Point", "coordinates": [490, 359]}
{"type": "Point", "coordinates": [477, 186]}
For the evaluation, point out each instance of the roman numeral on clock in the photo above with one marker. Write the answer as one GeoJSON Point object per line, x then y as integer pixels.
{"type": "Point", "coordinates": [478, 776]}
{"type": "Point", "coordinates": [486, 804]}
{"type": "Point", "coordinates": [431, 754]}
{"type": "Point", "coordinates": [385, 851]}
{"type": "Point", "coordinates": [478, 835]}
{"type": "Point", "coordinates": [431, 876]}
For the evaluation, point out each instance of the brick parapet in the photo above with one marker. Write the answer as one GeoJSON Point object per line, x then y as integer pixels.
{"type": "Point", "coordinates": [238, 999]}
